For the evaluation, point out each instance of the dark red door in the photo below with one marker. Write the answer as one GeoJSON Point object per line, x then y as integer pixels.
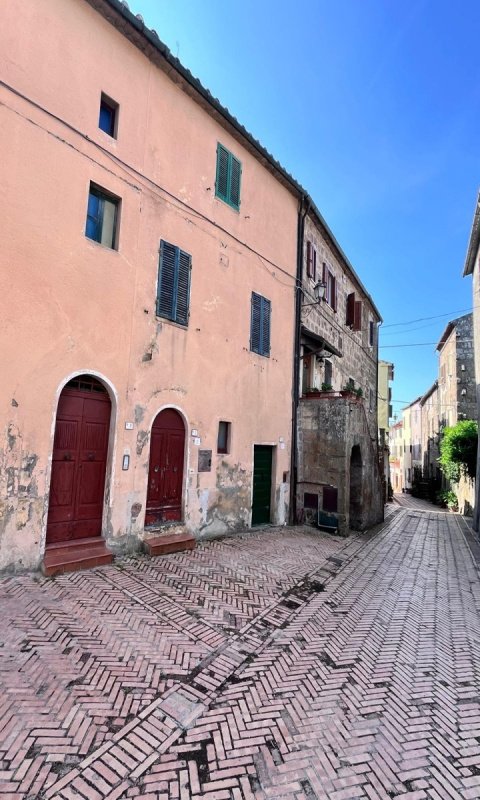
{"type": "Point", "coordinates": [79, 462]}
{"type": "Point", "coordinates": [165, 473]}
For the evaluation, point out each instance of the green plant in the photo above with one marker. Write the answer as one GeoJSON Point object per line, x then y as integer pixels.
{"type": "Point", "coordinates": [448, 498]}
{"type": "Point", "coordinates": [349, 387]}
{"type": "Point", "coordinates": [327, 387]}
{"type": "Point", "coordinates": [359, 391]}
{"type": "Point", "coordinates": [458, 450]}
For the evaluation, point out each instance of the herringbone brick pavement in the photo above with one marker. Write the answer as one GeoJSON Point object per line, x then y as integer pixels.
{"type": "Point", "coordinates": [281, 664]}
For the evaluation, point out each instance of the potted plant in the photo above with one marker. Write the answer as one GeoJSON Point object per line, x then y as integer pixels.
{"type": "Point", "coordinates": [327, 387]}
{"type": "Point", "coordinates": [448, 499]}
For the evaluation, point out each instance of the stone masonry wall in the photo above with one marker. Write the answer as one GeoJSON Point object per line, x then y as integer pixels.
{"type": "Point", "coordinates": [329, 427]}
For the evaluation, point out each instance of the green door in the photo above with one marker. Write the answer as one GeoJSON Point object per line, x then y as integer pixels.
{"type": "Point", "coordinates": [262, 484]}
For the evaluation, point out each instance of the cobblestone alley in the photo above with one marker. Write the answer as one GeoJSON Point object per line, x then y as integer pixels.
{"type": "Point", "coordinates": [280, 664]}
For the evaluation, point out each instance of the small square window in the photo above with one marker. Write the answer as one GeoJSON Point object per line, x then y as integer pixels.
{"type": "Point", "coordinates": [107, 120]}
{"type": "Point", "coordinates": [310, 500]}
{"type": "Point", "coordinates": [223, 440]}
{"type": "Point", "coordinates": [330, 498]}
{"type": "Point", "coordinates": [102, 215]}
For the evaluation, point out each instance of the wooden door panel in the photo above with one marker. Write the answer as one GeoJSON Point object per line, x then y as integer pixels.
{"type": "Point", "coordinates": [165, 474]}
{"type": "Point", "coordinates": [262, 484]}
{"type": "Point", "coordinates": [78, 466]}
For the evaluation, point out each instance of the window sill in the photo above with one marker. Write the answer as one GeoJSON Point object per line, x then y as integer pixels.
{"type": "Point", "coordinates": [167, 321]}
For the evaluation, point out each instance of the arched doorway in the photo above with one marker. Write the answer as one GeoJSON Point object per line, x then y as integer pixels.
{"type": "Point", "coordinates": [356, 506]}
{"type": "Point", "coordinates": [79, 461]}
{"type": "Point", "coordinates": [165, 472]}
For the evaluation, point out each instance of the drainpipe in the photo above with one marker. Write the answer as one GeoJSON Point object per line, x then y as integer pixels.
{"type": "Point", "coordinates": [302, 213]}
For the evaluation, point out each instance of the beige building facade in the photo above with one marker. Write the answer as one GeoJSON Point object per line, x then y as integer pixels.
{"type": "Point", "coordinates": [147, 298]}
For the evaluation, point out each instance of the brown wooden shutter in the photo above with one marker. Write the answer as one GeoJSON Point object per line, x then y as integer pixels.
{"type": "Point", "coordinates": [335, 294]}
{"type": "Point", "coordinates": [309, 259]}
{"type": "Point", "coordinates": [350, 319]}
{"type": "Point", "coordinates": [357, 323]}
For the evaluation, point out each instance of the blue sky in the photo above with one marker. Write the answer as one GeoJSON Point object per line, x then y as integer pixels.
{"type": "Point", "coordinates": [374, 106]}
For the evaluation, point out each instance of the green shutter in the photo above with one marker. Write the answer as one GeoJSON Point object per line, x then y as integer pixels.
{"type": "Point", "coordinates": [255, 323]}
{"type": "Point", "coordinates": [173, 292]}
{"type": "Point", "coordinates": [265, 342]}
{"type": "Point", "coordinates": [166, 280]}
{"type": "Point", "coordinates": [183, 287]}
{"type": "Point", "coordinates": [235, 173]}
{"type": "Point", "coordinates": [221, 185]}
{"type": "Point", "coordinates": [260, 325]}
{"type": "Point", "coordinates": [229, 170]}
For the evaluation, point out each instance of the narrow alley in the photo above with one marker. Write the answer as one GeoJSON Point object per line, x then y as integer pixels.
{"type": "Point", "coordinates": [283, 663]}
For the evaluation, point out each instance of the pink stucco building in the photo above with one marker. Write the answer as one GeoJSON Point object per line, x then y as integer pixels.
{"type": "Point", "coordinates": [147, 296]}
{"type": "Point", "coordinates": [152, 268]}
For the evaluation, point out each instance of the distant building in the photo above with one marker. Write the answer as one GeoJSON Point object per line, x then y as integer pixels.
{"type": "Point", "coordinates": [456, 372]}
{"type": "Point", "coordinates": [429, 405]}
{"type": "Point", "coordinates": [338, 471]}
{"type": "Point", "coordinates": [472, 267]}
{"type": "Point", "coordinates": [384, 415]}
{"type": "Point", "coordinates": [412, 441]}
{"type": "Point", "coordinates": [396, 456]}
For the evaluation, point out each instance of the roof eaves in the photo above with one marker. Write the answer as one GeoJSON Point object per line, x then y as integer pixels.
{"type": "Point", "coordinates": [429, 392]}
{"type": "Point", "coordinates": [473, 242]}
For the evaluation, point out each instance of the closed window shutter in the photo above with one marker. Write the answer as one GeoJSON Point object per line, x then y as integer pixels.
{"type": "Point", "coordinates": [255, 323]}
{"type": "Point", "coordinates": [166, 281]}
{"type": "Point", "coordinates": [235, 173]}
{"type": "Point", "coordinates": [350, 309]}
{"type": "Point", "coordinates": [266, 311]}
{"type": "Point", "coordinates": [183, 287]}
{"type": "Point", "coordinates": [371, 333]}
{"type": "Point", "coordinates": [309, 260]}
{"type": "Point", "coordinates": [221, 187]}
{"type": "Point", "coordinates": [335, 295]}
{"type": "Point", "coordinates": [357, 324]}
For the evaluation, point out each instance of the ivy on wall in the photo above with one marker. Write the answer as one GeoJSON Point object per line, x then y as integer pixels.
{"type": "Point", "coordinates": [458, 450]}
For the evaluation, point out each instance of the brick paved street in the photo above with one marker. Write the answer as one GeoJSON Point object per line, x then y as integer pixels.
{"type": "Point", "coordinates": [282, 664]}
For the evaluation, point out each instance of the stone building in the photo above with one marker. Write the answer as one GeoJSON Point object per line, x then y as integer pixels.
{"type": "Point", "coordinates": [456, 372]}
{"type": "Point", "coordinates": [430, 415]}
{"type": "Point", "coordinates": [472, 267]}
{"type": "Point", "coordinates": [412, 442]}
{"type": "Point", "coordinates": [384, 403]}
{"type": "Point", "coordinates": [338, 474]}
{"type": "Point", "coordinates": [397, 450]}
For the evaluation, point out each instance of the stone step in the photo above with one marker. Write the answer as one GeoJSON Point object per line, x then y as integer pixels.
{"type": "Point", "coordinates": [75, 555]}
{"type": "Point", "coordinates": [169, 543]}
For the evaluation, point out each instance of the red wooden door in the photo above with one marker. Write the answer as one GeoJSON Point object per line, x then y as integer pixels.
{"type": "Point", "coordinates": [79, 463]}
{"type": "Point", "coordinates": [165, 473]}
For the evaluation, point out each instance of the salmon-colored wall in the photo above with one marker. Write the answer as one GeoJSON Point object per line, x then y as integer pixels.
{"type": "Point", "coordinates": [72, 306]}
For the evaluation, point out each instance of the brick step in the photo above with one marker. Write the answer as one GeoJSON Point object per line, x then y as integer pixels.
{"type": "Point", "coordinates": [169, 543]}
{"type": "Point", "coordinates": [75, 555]}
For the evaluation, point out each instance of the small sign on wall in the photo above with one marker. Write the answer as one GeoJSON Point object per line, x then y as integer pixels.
{"type": "Point", "coordinates": [204, 460]}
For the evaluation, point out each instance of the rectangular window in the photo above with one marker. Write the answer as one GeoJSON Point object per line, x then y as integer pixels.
{"type": "Point", "coordinates": [107, 120]}
{"type": "Point", "coordinates": [223, 439]}
{"type": "Point", "coordinates": [173, 291]}
{"type": "Point", "coordinates": [350, 310]}
{"type": "Point", "coordinates": [311, 261]}
{"type": "Point", "coordinates": [330, 498]}
{"type": "Point", "coordinates": [357, 321]}
{"type": "Point", "coordinates": [331, 291]}
{"type": "Point", "coordinates": [227, 184]}
{"type": "Point", "coordinates": [371, 333]}
{"type": "Point", "coordinates": [260, 325]}
{"type": "Point", "coordinates": [328, 372]}
{"type": "Point", "coordinates": [310, 500]}
{"type": "Point", "coordinates": [102, 213]}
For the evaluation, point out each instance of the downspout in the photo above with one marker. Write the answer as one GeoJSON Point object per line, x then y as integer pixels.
{"type": "Point", "coordinates": [302, 213]}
